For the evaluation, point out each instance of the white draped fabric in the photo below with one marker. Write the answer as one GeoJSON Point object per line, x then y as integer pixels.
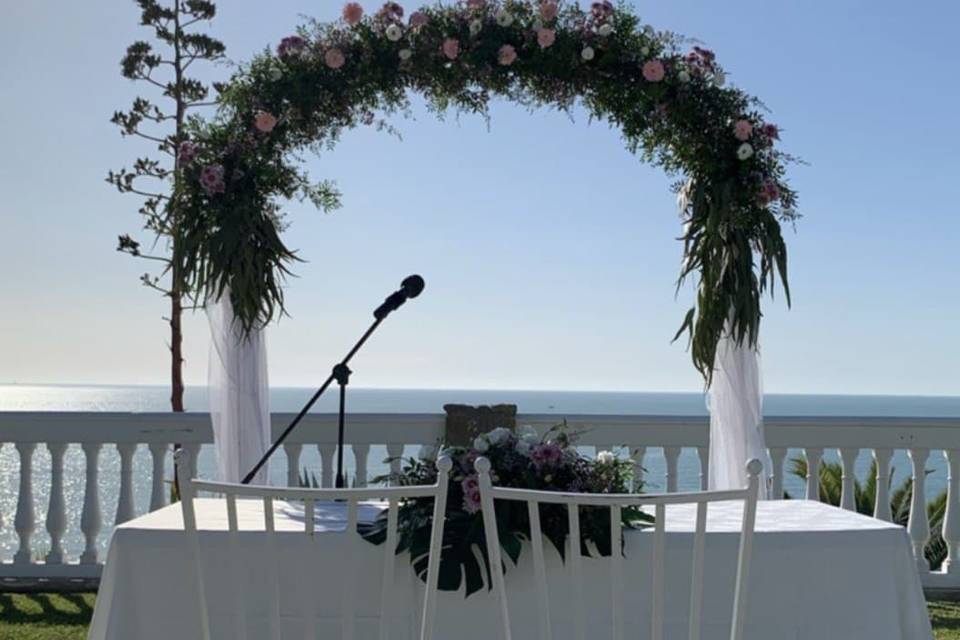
{"type": "Point", "coordinates": [239, 394]}
{"type": "Point", "coordinates": [735, 401]}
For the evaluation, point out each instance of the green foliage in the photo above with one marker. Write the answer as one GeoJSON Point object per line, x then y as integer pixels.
{"type": "Point", "coordinates": [865, 499]}
{"type": "Point", "coordinates": [732, 207]}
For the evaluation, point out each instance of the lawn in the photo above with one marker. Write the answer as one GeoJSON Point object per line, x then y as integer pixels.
{"type": "Point", "coordinates": [65, 617]}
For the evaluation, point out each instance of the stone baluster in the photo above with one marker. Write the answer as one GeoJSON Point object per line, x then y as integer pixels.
{"type": "Point", "coordinates": [158, 492]}
{"type": "Point", "coordinates": [360, 454]}
{"type": "Point", "coordinates": [777, 456]}
{"type": "Point", "coordinates": [90, 517]}
{"type": "Point", "coordinates": [919, 526]}
{"type": "Point", "coordinates": [951, 519]}
{"type": "Point", "coordinates": [704, 454]}
{"type": "Point", "coordinates": [813, 456]}
{"type": "Point", "coordinates": [637, 454]}
{"type": "Point", "coordinates": [292, 452]}
{"type": "Point", "coordinates": [672, 456]}
{"type": "Point", "coordinates": [848, 459]}
{"type": "Point", "coordinates": [395, 454]}
{"type": "Point", "coordinates": [23, 521]}
{"type": "Point", "coordinates": [56, 513]}
{"type": "Point", "coordinates": [881, 509]}
{"type": "Point", "coordinates": [125, 501]}
{"type": "Point", "coordinates": [327, 451]}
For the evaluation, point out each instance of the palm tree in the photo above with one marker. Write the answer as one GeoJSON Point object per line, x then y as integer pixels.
{"type": "Point", "coordinates": [865, 496]}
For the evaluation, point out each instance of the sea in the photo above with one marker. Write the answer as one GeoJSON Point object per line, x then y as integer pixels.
{"type": "Point", "coordinates": [23, 397]}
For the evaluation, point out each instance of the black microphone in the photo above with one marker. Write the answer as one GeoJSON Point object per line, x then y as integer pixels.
{"type": "Point", "coordinates": [411, 287]}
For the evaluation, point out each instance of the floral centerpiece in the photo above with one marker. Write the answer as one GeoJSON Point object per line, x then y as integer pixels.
{"type": "Point", "coordinates": [519, 459]}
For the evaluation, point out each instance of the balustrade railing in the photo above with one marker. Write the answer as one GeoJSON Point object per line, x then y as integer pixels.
{"type": "Point", "coordinates": [127, 434]}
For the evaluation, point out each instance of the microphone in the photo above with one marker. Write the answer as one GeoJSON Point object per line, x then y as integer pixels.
{"type": "Point", "coordinates": [411, 287]}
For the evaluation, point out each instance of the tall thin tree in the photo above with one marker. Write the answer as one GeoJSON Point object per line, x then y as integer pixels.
{"type": "Point", "coordinates": [164, 66]}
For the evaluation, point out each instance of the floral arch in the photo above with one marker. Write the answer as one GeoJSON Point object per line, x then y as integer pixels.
{"type": "Point", "coordinates": [673, 107]}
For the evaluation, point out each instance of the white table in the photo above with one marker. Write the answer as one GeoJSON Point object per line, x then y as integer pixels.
{"type": "Point", "coordinates": [818, 573]}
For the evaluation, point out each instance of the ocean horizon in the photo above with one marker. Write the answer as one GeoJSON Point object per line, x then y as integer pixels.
{"type": "Point", "coordinates": [154, 398]}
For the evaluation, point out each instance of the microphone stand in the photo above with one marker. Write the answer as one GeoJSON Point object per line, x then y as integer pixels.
{"type": "Point", "coordinates": [410, 288]}
{"type": "Point", "coordinates": [341, 374]}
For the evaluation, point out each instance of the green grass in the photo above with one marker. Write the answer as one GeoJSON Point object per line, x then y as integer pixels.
{"type": "Point", "coordinates": [66, 616]}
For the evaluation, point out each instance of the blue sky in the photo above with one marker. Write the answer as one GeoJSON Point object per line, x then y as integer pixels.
{"type": "Point", "coordinates": [549, 252]}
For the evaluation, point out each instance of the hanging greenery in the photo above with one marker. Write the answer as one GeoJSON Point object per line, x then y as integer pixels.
{"type": "Point", "coordinates": [673, 107]}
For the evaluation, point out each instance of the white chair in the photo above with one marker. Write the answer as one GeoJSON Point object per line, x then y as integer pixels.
{"type": "Point", "coordinates": [189, 488]}
{"type": "Point", "coordinates": [615, 502]}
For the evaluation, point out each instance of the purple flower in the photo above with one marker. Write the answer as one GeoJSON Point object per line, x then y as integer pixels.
{"type": "Point", "coordinates": [546, 455]}
{"type": "Point", "coordinates": [211, 179]}
{"type": "Point", "coordinates": [187, 152]}
{"type": "Point", "coordinates": [471, 502]}
{"type": "Point", "coordinates": [291, 46]}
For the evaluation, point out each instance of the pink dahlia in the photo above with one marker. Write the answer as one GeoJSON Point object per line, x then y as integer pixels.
{"type": "Point", "coordinates": [291, 46]}
{"type": "Point", "coordinates": [211, 179]}
{"type": "Point", "coordinates": [418, 19]}
{"type": "Point", "coordinates": [187, 152]}
{"type": "Point", "coordinates": [546, 37]}
{"type": "Point", "coordinates": [334, 58]}
{"type": "Point", "coordinates": [507, 55]}
{"type": "Point", "coordinates": [352, 12]}
{"type": "Point", "coordinates": [742, 130]}
{"type": "Point", "coordinates": [549, 10]}
{"type": "Point", "coordinates": [451, 48]}
{"type": "Point", "coordinates": [654, 71]}
{"type": "Point", "coordinates": [265, 121]}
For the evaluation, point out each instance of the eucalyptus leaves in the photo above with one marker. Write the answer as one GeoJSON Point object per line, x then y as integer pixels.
{"type": "Point", "coordinates": [674, 108]}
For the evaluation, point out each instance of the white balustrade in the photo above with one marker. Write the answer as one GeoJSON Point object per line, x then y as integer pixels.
{"type": "Point", "coordinates": [813, 456]}
{"type": "Point", "coordinates": [56, 509]}
{"type": "Point", "coordinates": [704, 454]}
{"type": "Point", "coordinates": [951, 517]}
{"type": "Point", "coordinates": [777, 456]}
{"type": "Point", "coordinates": [125, 501]}
{"type": "Point", "coordinates": [879, 437]}
{"type": "Point", "coordinates": [919, 525]}
{"type": "Point", "coordinates": [90, 516]}
{"type": "Point", "coordinates": [848, 458]}
{"type": "Point", "coordinates": [23, 521]}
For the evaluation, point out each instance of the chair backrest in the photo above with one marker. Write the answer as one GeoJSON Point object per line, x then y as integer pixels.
{"type": "Point", "coordinates": [616, 502]}
{"type": "Point", "coordinates": [350, 498]}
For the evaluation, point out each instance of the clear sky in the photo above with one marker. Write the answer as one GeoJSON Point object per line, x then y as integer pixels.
{"type": "Point", "coordinates": [549, 252]}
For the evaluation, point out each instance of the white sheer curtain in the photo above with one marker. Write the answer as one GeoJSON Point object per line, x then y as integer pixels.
{"type": "Point", "coordinates": [239, 400]}
{"type": "Point", "coordinates": [735, 401]}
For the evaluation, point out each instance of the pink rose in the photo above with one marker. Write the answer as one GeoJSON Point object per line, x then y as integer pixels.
{"type": "Point", "coordinates": [546, 37]}
{"type": "Point", "coordinates": [476, 4]}
{"type": "Point", "coordinates": [334, 58]}
{"type": "Point", "coordinates": [451, 48]}
{"type": "Point", "coordinates": [742, 130]}
{"type": "Point", "coordinates": [507, 55]}
{"type": "Point", "coordinates": [352, 13]}
{"type": "Point", "coordinates": [265, 121]}
{"type": "Point", "coordinates": [418, 19]}
{"type": "Point", "coordinates": [654, 71]}
{"type": "Point", "coordinates": [549, 10]}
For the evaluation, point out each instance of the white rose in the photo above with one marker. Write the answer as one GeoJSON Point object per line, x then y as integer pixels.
{"type": "Point", "coordinates": [428, 453]}
{"type": "Point", "coordinates": [606, 457]}
{"type": "Point", "coordinates": [524, 447]}
{"type": "Point", "coordinates": [587, 53]}
{"type": "Point", "coordinates": [394, 33]}
{"type": "Point", "coordinates": [745, 152]}
{"type": "Point", "coordinates": [504, 18]}
{"type": "Point", "coordinates": [481, 444]}
{"type": "Point", "coordinates": [719, 79]}
{"type": "Point", "coordinates": [275, 73]}
{"type": "Point", "coordinates": [476, 27]}
{"type": "Point", "coordinates": [649, 30]}
{"type": "Point", "coordinates": [405, 54]}
{"type": "Point", "coordinates": [605, 29]}
{"type": "Point", "coordinates": [498, 435]}
{"type": "Point", "coordinates": [526, 430]}
{"type": "Point", "coordinates": [645, 51]}
{"type": "Point", "coordinates": [683, 77]}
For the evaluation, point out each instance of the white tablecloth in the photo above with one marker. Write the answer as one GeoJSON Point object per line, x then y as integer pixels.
{"type": "Point", "coordinates": [818, 573]}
